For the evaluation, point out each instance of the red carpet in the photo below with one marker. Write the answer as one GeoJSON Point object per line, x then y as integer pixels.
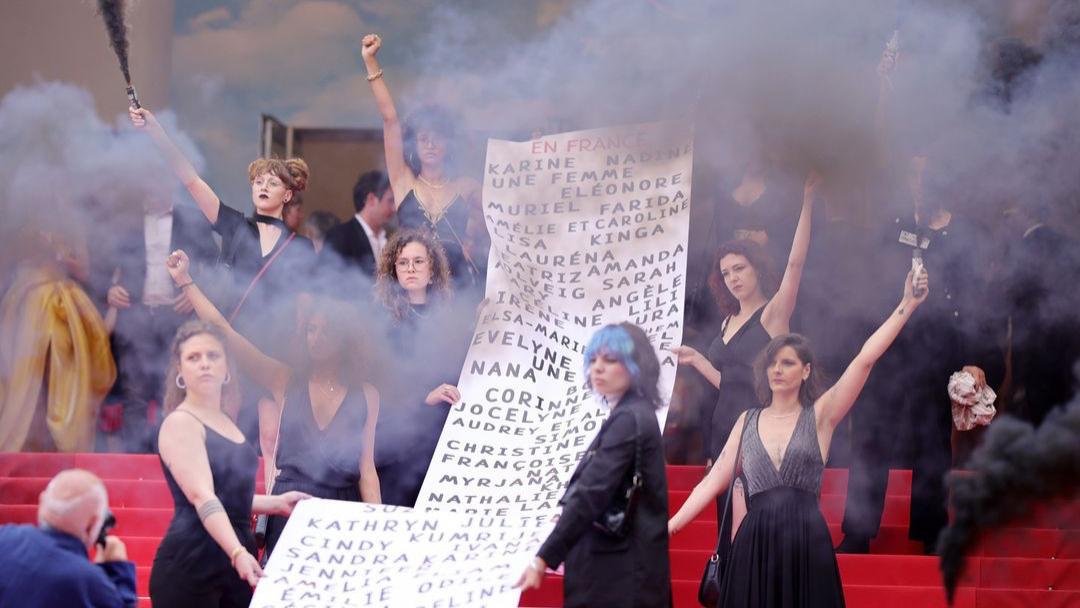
{"type": "Point", "coordinates": [1034, 562]}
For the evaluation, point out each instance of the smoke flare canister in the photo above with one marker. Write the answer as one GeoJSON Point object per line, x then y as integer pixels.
{"type": "Point", "coordinates": [133, 97]}
{"type": "Point", "coordinates": [917, 269]}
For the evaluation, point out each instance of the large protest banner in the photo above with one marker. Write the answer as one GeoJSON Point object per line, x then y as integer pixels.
{"type": "Point", "coordinates": [587, 228]}
{"type": "Point", "coordinates": [335, 553]}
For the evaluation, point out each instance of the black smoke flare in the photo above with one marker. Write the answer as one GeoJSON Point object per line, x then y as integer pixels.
{"type": "Point", "coordinates": [113, 13]}
{"type": "Point", "coordinates": [1016, 467]}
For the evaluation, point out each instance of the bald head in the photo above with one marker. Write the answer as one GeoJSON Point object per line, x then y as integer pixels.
{"type": "Point", "coordinates": [74, 502]}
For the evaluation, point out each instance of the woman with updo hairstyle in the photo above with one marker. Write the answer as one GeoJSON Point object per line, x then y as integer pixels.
{"type": "Point", "coordinates": [429, 192]}
{"type": "Point", "coordinates": [269, 265]}
{"type": "Point", "coordinates": [627, 567]}
{"type": "Point", "coordinates": [268, 261]}
{"type": "Point", "coordinates": [426, 347]}
{"type": "Point", "coordinates": [207, 557]}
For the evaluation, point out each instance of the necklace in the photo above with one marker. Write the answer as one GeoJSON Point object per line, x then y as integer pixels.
{"type": "Point", "coordinates": [434, 186]}
{"type": "Point", "coordinates": [328, 389]}
{"type": "Point", "coordinates": [787, 415]}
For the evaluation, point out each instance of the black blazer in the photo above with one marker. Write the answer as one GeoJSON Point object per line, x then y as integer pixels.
{"type": "Point", "coordinates": [1042, 280]}
{"type": "Point", "coordinates": [601, 570]}
{"type": "Point", "coordinates": [350, 242]}
{"type": "Point", "coordinates": [124, 248]}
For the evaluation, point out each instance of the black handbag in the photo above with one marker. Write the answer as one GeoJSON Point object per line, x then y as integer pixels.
{"type": "Point", "coordinates": [711, 579]}
{"type": "Point", "coordinates": [618, 518]}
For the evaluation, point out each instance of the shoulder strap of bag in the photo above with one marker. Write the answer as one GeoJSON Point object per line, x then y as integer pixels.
{"type": "Point", "coordinates": [638, 476]}
{"type": "Point", "coordinates": [259, 275]}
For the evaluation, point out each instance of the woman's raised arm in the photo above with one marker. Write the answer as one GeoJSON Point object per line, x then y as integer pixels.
{"type": "Point", "coordinates": [267, 371]}
{"type": "Point", "coordinates": [832, 406]}
{"type": "Point", "coordinates": [776, 316]}
{"type": "Point", "coordinates": [401, 177]}
{"type": "Point", "coordinates": [204, 196]}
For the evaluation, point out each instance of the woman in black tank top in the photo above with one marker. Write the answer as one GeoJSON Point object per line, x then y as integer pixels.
{"type": "Point", "coordinates": [207, 555]}
{"type": "Point", "coordinates": [428, 193]}
{"type": "Point", "coordinates": [324, 429]}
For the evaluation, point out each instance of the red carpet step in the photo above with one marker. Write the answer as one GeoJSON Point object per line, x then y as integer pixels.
{"type": "Point", "coordinates": [1031, 562]}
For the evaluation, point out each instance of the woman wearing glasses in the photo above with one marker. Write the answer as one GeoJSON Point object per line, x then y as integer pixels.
{"type": "Point", "coordinates": [426, 353]}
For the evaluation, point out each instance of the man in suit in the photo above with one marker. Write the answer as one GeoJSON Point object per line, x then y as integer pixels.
{"type": "Point", "coordinates": [129, 275]}
{"type": "Point", "coordinates": [1042, 270]}
{"type": "Point", "coordinates": [359, 241]}
{"type": "Point", "coordinates": [47, 565]}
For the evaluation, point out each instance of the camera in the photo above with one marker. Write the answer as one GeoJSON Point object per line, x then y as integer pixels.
{"type": "Point", "coordinates": [110, 523]}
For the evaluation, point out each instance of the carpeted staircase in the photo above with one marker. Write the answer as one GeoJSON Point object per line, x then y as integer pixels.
{"type": "Point", "coordinates": [1033, 562]}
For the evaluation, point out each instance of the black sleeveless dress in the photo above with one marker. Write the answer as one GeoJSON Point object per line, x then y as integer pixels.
{"type": "Point", "coordinates": [322, 462]}
{"type": "Point", "coordinates": [190, 568]}
{"type": "Point", "coordinates": [782, 555]}
{"type": "Point", "coordinates": [735, 360]}
{"type": "Point", "coordinates": [449, 229]}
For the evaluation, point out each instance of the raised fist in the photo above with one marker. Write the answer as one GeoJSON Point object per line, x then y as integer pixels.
{"type": "Point", "coordinates": [369, 46]}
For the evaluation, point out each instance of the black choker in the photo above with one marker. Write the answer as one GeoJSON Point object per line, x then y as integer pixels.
{"type": "Point", "coordinates": [273, 221]}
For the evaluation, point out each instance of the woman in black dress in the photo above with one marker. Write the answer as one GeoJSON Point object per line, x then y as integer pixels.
{"type": "Point", "coordinates": [207, 555]}
{"type": "Point", "coordinates": [427, 346]}
{"type": "Point", "coordinates": [326, 415]}
{"type": "Point", "coordinates": [603, 569]}
{"type": "Point", "coordinates": [782, 554]}
{"type": "Point", "coordinates": [268, 263]}
{"type": "Point", "coordinates": [756, 309]}
{"type": "Point", "coordinates": [428, 193]}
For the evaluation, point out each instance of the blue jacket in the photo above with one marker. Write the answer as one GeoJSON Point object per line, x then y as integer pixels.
{"type": "Point", "coordinates": [42, 568]}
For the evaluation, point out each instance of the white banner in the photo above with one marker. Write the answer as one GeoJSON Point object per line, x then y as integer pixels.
{"type": "Point", "coordinates": [334, 553]}
{"type": "Point", "coordinates": [587, 228]}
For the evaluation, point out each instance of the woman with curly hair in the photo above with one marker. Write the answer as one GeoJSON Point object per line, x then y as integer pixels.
{"type": "Point", "coordinates": [321, 434]}
{"type": "Point", "coordinates": [428, 192]}
{"type": "Point", "coordinates": [426, 349]}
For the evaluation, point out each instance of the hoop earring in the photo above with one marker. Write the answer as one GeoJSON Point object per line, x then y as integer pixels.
{"type": "Point", "coordinates": [228, 378]}
{"type": "Point", "coordinates": [180, 384]}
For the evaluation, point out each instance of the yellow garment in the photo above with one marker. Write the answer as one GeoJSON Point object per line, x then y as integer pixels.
{"type": "Point", "coordinates": [49, 325]}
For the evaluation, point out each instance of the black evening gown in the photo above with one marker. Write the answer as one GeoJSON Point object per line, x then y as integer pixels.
{"type": "Point", "coordinates": [323, 462]}
{"type": "Point", "coordinates": [782, 555]}
{"type": "Point", "coordinates": [190, 568]}
{"type": "Point", "coordinates": [449, 229]}
{"type": "Point", "coordinates": [735, 361]}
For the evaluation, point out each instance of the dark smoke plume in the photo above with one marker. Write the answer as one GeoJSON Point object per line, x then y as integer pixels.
{"type": "Point", "coordinates": [113, 13]}
{"type": "Point", "coordinates": [1016, 467]}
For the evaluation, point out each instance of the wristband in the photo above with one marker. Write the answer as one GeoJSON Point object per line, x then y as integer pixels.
{"type": "Point", "coordinates": [235, 552]}
{"type": "Point", "coordinates": [183, 285]}
{"type": "Point", "coordinates": [375, 76]}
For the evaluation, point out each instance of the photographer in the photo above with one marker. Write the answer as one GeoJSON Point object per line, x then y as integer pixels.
{"type": "Point", "coordinates": [48, 566]}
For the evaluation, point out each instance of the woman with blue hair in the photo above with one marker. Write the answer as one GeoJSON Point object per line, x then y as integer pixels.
{"type": "Point", "coordinates": [612, 534]}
